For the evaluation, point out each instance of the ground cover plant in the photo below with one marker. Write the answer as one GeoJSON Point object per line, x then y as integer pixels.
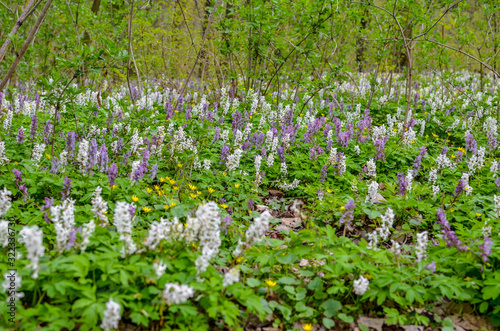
{"type": "Point", "coordinates": [249, 165]}
{"type": "Point", "coordinates": [230, 209]}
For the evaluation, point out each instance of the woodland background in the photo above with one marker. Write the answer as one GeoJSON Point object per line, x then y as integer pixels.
{"type": "Point", "coordinates": [259, 41]}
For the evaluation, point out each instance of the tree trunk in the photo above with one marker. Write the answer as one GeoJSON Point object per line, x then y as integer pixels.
{"type": "Point", "coordinates": [28, 10]}
{"type": "Point", "coordinates": [27, 43]}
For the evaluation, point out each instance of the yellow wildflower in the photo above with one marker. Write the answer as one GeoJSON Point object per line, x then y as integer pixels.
{"type": "Point", "coordinates": [240, 259]}
{"type": "Point", "coordinates": [146, 209]}
{"type": "Point", "coordinates": [166, 206]}
{"type": "Point", "coordinates": [193, 195]}
{"type": "Point", "coordinates": [149, 190]}
{"type": "Point", "coordinates": [211, 190]}
{"type": "Point", "coordinates": [172, 204]}
{"type": "Point", "coordinates": [135, 198]}
{"type": "Point", "coordinates": [237, 185]}
{"type": "Point", "coordinates": [270, 283]}
{"type": "Point", "coordinates": [478, 214]}
{"type": "Point", "coordinates": [114, 186]}
{"type": "Point", "coordinates": [343, 208]}
{"type": "Point", "coordinates": [179, 165]}
{"type": "Point", "coordinates": [224, 206]}
{"type": "Point", "coordinates": [192, 187]}
{"type": "Point", "coordinates": [48, 156]}
{"type": "Point", "coordinates": [162, 179]}
{"type": "Point", "coordinates": [307, 327]}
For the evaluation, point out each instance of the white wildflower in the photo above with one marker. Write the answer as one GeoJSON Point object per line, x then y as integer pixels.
{"type": "Point", "coordinates": [357, 150]}
{"type": "Point", "coordinates": [395, 248]}
{"type": "Point", "coordinates": [4, 233]}
{"type": "Point", "coordinates": [435, 190]}
{"type": "Point", "coordinates": [270, 159]}
{"type": "Point", "coordinates": [372, 240]}
{"type": "Point", "coordinates": [111, 316]}
{"type": "Point", "coordinates": [87, 230]}
{"type": "Point", "coordinates": [361, 285]}
{"type": "Point", "coordinates": [99, 206]}
{"type": "Point", "coordinates": [176, 294]}
{"type": "Point", "coordinates": [497, 204]}
{"type": "Point", "coordinates": [3, 158]}
{"type": "Point", "coordinates": [387, 222]}
{"type": "Point", "coordinates": [372, 192]}
{"type": "Point", "coordinates": [371, 168]}
{"type": "Point", "coordinates": [5, 199]}
{"type": "Point", "coordinates": [232, 276]}
{"type": "Point", "coordinates": [433, 176]}
{"type": "Point", "coordinates": [63, 217]}
{"type": "Point", "coordinates": [421, 249]}
{"type": "Point", "coordinates": [32, 237]}
{"type": "Point", "coordinates": [233, 160]}
{"type": "Point", "coordinates": [38, 152]}
{"type": "Point", "coordinates": [83, 153]}
{"type": "Point", "coordinates": [12, 285]}
{"type": "Point", "coordinates": [159, 269]}
{"type": "Point", "coordinates": [123, 223]}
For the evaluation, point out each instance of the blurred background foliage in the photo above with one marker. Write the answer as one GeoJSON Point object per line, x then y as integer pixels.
{"type": "Point", "coordinates": [259, 42]}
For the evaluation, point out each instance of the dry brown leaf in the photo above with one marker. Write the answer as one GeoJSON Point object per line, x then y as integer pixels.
{"type": "Point", "coordinates": [373, 323]}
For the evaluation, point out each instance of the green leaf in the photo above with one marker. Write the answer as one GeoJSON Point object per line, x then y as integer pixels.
{"type": "Point", "coordinates": [252, 282]}
{"type": "Point", "coordinates": [331, 307]}
{"type": "Point", "coordinates": [287, 259]}
{"type": "Point", "coordinates": [287, 280]}
{"type": "Point", "coordinates": [328, 323]}
{"type": "Point", "coordinates": [345, 318]}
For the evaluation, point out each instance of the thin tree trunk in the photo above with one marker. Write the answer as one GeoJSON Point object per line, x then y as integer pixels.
{"type": "Point", "coordinates": [27, 43]}
{"type": "Point", "coordinates": [20, 21]}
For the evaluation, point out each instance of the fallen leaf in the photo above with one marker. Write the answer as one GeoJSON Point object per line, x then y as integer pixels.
{"type": "Point", "coordinates": [373, 323]}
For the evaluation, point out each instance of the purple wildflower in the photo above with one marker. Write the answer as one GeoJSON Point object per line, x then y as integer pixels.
{"type": "Point", "coordinates": [224, 154]}
{"type": "Point", "coordinates": [18, 175]}
{"type": "Point", "coordinates": [48, 203]}
{"type": "Point", "coordinates": [47, 132]}
{"type": "Point", "coordinates": [347, 216]}
{"type": "Point", "coordinates": [281, 154]}
{"type": "Point", "coordinates": [20, 135]}
{"type": "Point", "coordinates": [216, 135]}
{"type": "Point", "coordinates": [312, 155]}
{"type": "Point", "coordinates": [486, 248]}
{"type": "Point", "coordinates": [66, 191]}
{"type": "Point", "coordinates": [56, 164]}
{"type": "Point", "coordinates": [250, 204]}
{"type": "Point", "coordinates": [492, 141]}
{"type": "Point", "coordinates": [431, 266]}
{"type": "Point", "coordinates": [324, 173]}
{"type": "Point", "coordinates": [103, 158]}
{"type": "Point", "coordinates": [72, 237]}
{"type": "Point", "coordinates": [112, 173]}
{"type": "Point", "coordinates": [379, 147]}
{"type": "Point", "coordinates": [153, 171]}
{"type": "Point", "coordinates": [70, 142]}
{"type": "Point", "coordinates": [34, 126]}
{"type": "Point", "coordinates": [418, 160]}
{"type": "Point", "coordinates": [471, 144]}
{"type": "Point", "coordinates": [131, 209]}
{"type": "Point", "coordinates": [449, 235]}
{"type": "Point", "coordinates": [459, 189]}
{"type": "Point", "coordinates": [402, 183]}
